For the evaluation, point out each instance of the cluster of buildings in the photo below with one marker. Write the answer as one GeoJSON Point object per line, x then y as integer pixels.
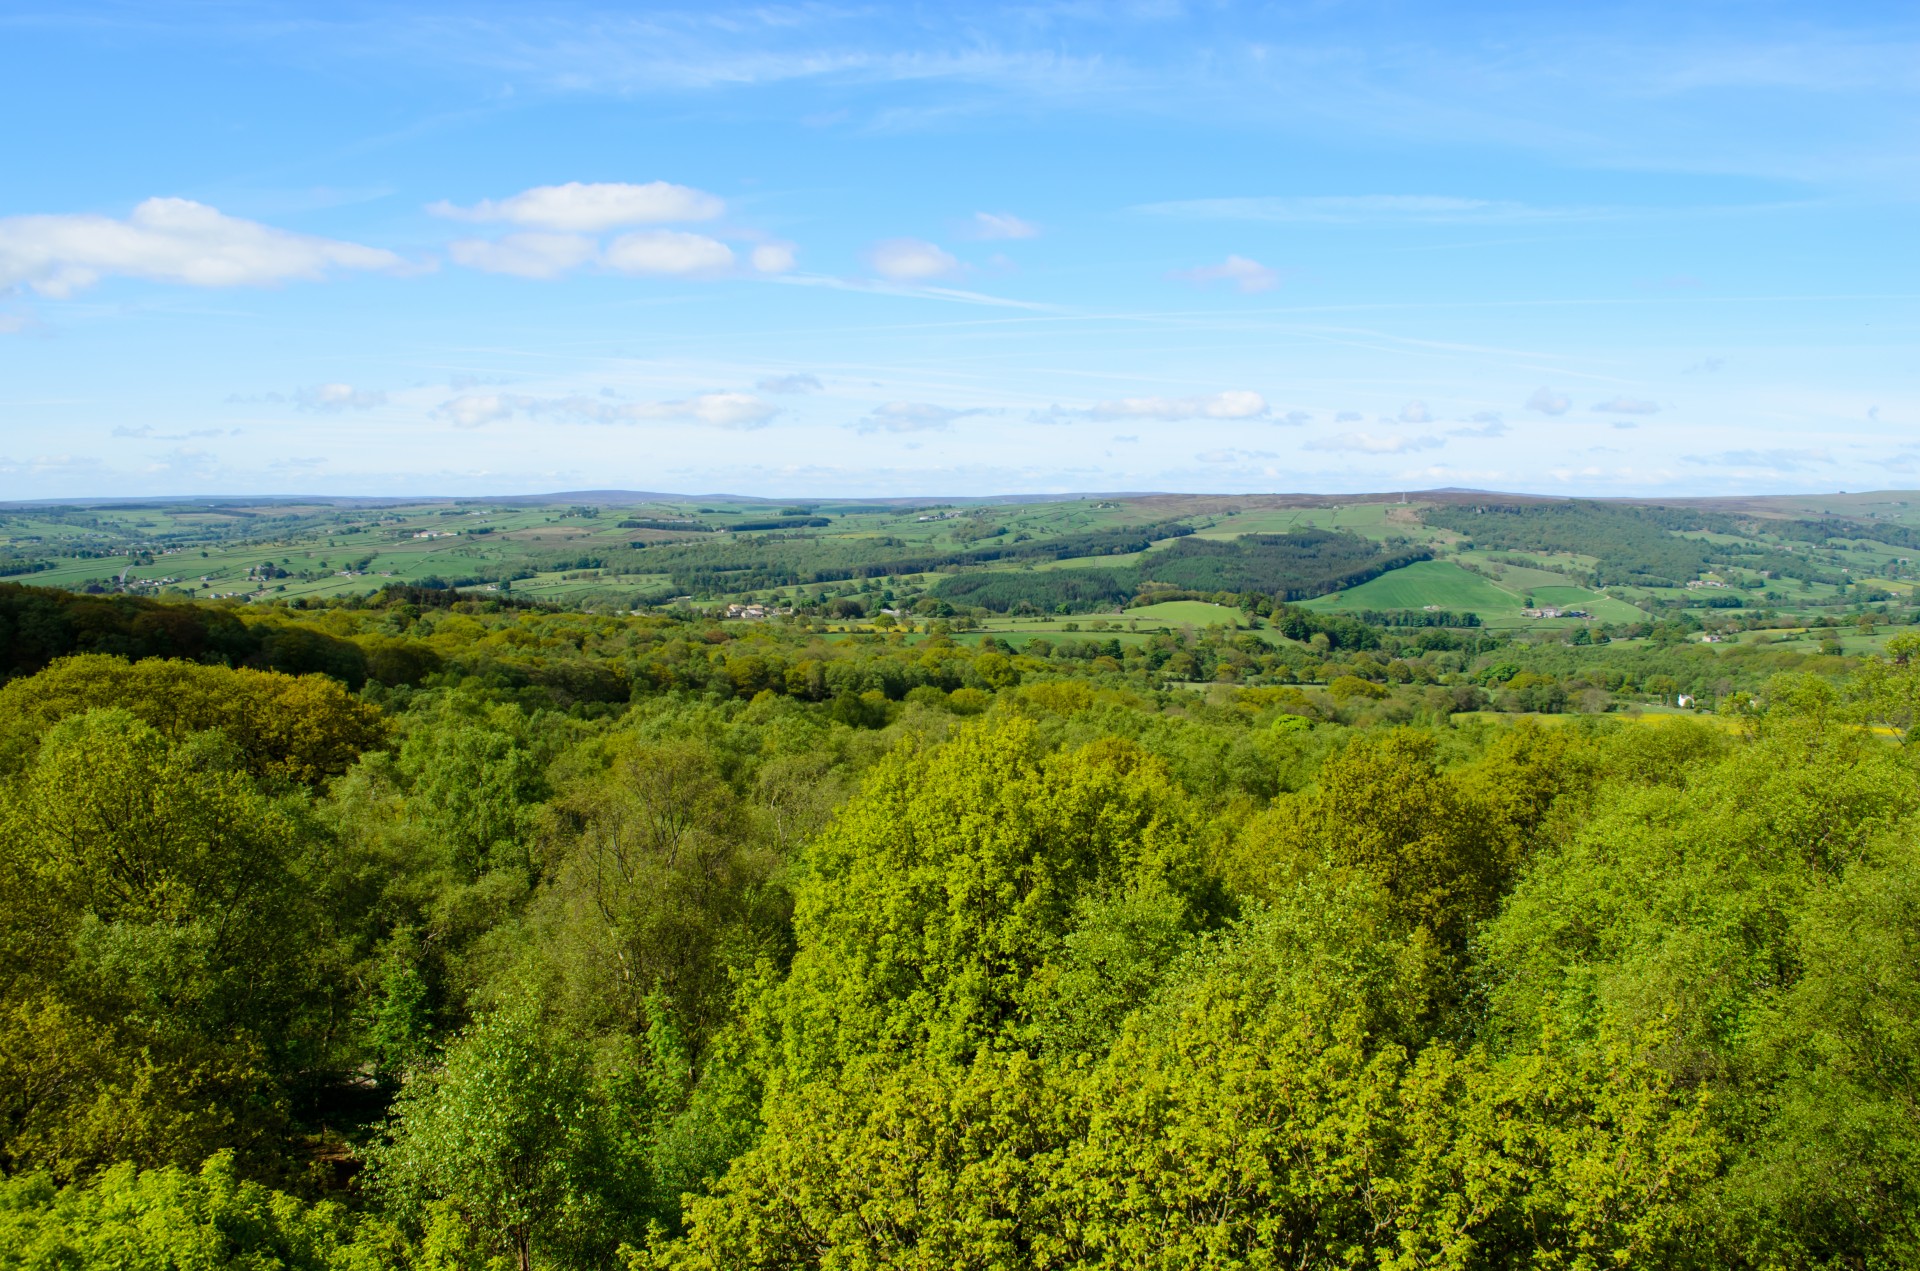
{"type": "Point", "coordinates": [1553, 611]}
{"type": "Point", "coordinates": [755, 611]}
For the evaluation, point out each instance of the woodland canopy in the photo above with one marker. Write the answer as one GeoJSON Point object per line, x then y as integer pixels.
{"type": "Point", "coordinates": [583, 942]}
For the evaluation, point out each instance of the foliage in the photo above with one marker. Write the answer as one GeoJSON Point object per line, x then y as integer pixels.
{"type": "Point", "coordinates": [793, 523]}
{"type": "Point", "coordinates": [39, 624]}
{"type": "Point", "coordinates": [1049, 591]}
{"type": "Point", "coordinates": [1244, 1119]}
{"type": "Point", "coordinates": [932, 899]}
{"type": "Point", "coordinates": [1887, 690]}
{"type": "Point", "coordinates": [573, 939]}
{"type": "Point", "coordinates": [161, 1219]}
{"type": "Point", "coordinates": [502, 1147]}
{"type": "Point", "coordinates": [783, 560]}
{"type": "Point", "coordinates": [1632, 544]}
{"type": "Point", "coordinates": [158, 950]}
{"type": "Point", "coordinates": [1417, 618]}
{"type": "Point", "coordinates": [1294, 566]}
{"type": "Point", "coordinates": [296, 728]}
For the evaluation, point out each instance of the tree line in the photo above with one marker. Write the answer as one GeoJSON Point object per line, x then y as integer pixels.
{"type": "Point", "coordinates": [1636, 546]}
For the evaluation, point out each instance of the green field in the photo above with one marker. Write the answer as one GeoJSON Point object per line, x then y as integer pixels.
{"type": "Point", "coordinates": [1132, 627]}
{"type": "Point", "coordinates": [623, 553]}
{"type": "Point", "coordinates": [1516, 578]}
{"type": "Point", "coordinates": [1020, 637]}
{"type": "Point", "coordinates": [1603, 608]}
{"type": "Point", "coordinates": [1178, 613]}
{"type": "Point", "coordinates": [1448, 586]}
{"type": "Point", "coordinates": [1427, 582]}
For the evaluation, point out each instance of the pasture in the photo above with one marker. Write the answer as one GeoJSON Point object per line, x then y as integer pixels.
{"type": "Point", "coordinates": [1183, 613]}
{"type": "Point", "coordinates": [1423, 583]}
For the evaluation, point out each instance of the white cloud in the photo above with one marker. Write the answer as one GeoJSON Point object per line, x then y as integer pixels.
{"type": "Point", "coordinates": [1628, 406]}
{"type": "Point", "coordinates": [800, 382]}
{"type": "Point", "coordinates": [168, 240]}
{"type": "Point", "coordinates": [1415, 412]}
{"type": "Point", "coordinates": [563, 217]}
{"type": "Point", "coordinates": [1548, 402]}
{"type": "Point", "coordinates": [584, 207]}
{"type": "Point", "coordinates": [911, 260]}
{"type": "Point", "coordinates": [1249, 276]}
{"type": "Point", "coordinates": [337, 397]}
{"type": "Point", "coordinates": [530, 255]}
{"type": "Point", "coordinates": [1231, 404]}
{"type": "Point", "coordinates": [1234, 456]}
{"type": "Point", "coordinates": [1365, 443]}
{"type": "Point", "coordinates": [1348, 417]}
{"type": "Point", "coordinates": [667, 251]}
{"type": "Point", "coordinates": [773, 258]}
{"type": "Point", "coordinates": [910, 417]}
{"type": "Point", "coordinates": [990, 226]}
{"type": "Point", "coordinates": [1295, 418]}
{"type": "Point", "coordinates": [471, 410]}
{"type": "Point", "coordinates": [716, 410]}
{"type": "Point", "coordinates": [1489, 424]}
{"type": "Point", "coordinates": [677, 253]}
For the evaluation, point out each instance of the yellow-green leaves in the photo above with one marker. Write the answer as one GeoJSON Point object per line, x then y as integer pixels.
{"type": "Point", "coordinates": [1383, 810]}
{"type": "Point", "coordinates": [953, 877]}
{"type": "Point", "coordinates": [297, 728]}
{"type": "Point", "coordinates": [1886, 691]}
{"type": "Point", "coordinates": [210, 1220]}
{"type": "Point", "coordinates": [505, 1140]}
{"type": "Point", "coordinates": [151, 926]}
{"type": "Point", "coordinates": [1246, 1118]}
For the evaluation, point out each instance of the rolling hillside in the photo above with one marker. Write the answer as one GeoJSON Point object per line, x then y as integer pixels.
{"type": "Point", "coordinates": [1429, 582]}
{"type": "Point", "coordinates": [1797, 558]}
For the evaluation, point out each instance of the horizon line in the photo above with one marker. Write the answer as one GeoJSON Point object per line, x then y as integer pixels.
{"type": "Point", "coordinates": [608, 496]}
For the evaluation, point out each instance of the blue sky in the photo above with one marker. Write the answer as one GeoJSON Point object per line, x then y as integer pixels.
{"type": "Point", "coordinates": [958, 249]}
